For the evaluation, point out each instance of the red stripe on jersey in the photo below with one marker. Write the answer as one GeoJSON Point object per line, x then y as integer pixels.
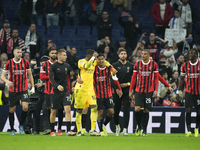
{"type": "Point", "coordinates": [104, 83]}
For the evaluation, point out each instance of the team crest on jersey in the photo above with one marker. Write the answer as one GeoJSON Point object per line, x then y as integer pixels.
{"type": "Point", "coordinates": [150, 68]}
{"type": "Point", "coordinates": [22, 65]}
{"type": "Point", "coordinates": [82, 61]}
{"type": "Point", "coordinates": [65, 70]}
{"type": "Point", "coordinates": [128, 68]}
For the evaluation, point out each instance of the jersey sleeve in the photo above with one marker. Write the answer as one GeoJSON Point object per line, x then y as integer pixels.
{"type": "Point", "coordinates": [183, 70]}
{"type": "Point", "coordinates": [135, 68]}
{"type": "Point", "coordinates": [27, 65]}
{"type": "Point", "coordinates": [155, 67]}
{"type": "Point", "coordinates": [7, 66]}
{"type": "Point", "coordinates": [43, 72]}
{"type": "Point", "coordinates": [81, 64]}
{"type": "Point", "coordinates": [51, 76]}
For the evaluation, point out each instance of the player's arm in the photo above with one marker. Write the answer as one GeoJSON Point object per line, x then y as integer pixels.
{"type": "Point", "coordinates": [3, 78]}
{"type": "Point", "coordinates": [163, 81]}
{"type": "Point", "coordinates": [156, 82]}
{"type": "Point", "coordinates": [133, 81]}
{"type": "Point", "coordinates": [116, 82]}
{"type": "Point", "coordinates": [31, 80]}
{"type": "Point", "coordinates": [107, 64]}
{"type": "Point", "coordinates": [86, 65]}
{"type": "Point", "coordinates": [182, 81]}
{"type": "Point", "coordinates": [43, 73]}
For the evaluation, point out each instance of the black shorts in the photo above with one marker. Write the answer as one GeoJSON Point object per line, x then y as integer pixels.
{"type": "Point", "coordinates": [144, 99]}
{"type": "Point", "coordinates": [105, 102]}
{"type": "Point", "coordinates": [192, 100]}
{"type": "Point", "coordinates": [58, 100]}
{"type": "Point", "coordinates": [15, 97]}
{"type": "Point", "coordinates": [47, 100]}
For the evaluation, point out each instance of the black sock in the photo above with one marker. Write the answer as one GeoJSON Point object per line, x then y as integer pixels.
{"type": "Point", "coordinates": [100, 123]}
{"type": "Point", "coordinates": [23, 117]}
{"type": "Point", "coordinates": [141, 113]}
{"type": "Point", "coordinates": [197, 121]}
{"type": "Point", "coordinates": [84, 117]}
{"type": "Point", "coordinates": [52, 127]}
{"type": "Point", "coordinates": [11, 120]}
{"type": "Point", "coordinates": [60, 118]}
{"type": "Point", "coordinates": [68, 126]}
{"type": "Point", "coordinates": [138, 119]}
{"type": "Point", "coordinates": [188, 121]}
{"type": "Point", "coordinates": [107, 120]}
{"type": "Point", "coordinates": [145, 121]}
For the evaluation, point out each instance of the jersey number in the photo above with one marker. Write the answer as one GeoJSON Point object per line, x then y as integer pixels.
{"type": "Point", "coordinates": [148, 100]}
{"type": "Point", "coordinates": [68, 98]}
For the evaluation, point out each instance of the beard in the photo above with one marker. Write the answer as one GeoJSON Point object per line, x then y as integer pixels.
{"type": "Point", "coordinates": [53, 58]}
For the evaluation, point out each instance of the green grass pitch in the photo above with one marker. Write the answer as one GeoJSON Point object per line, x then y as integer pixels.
{"type": "Point", "coordinates": [151, 142]}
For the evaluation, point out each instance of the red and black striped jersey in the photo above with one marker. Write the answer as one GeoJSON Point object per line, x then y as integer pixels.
{"type": "Point", "coordinates": [18, 74]}
{"type": "Point", "coordinates": [145, 76]}
{"type": "Point", "coordinates": [102, 82]}
{"type": "Point", "coordinates": [44, 75]}
{"type": "Point", "coordinates": [192, 72]}
{"type": "Point", "coordinates": [153, 49]}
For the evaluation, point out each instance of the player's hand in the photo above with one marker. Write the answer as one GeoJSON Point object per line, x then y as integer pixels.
{"type": "Point", "coordinates": [32, 91]}
{"type": "Point", "coordinates": [60, 88]}
{"type": "Point", "coordinates": [171, 90]}
{"type": "Point", "coordinates": [95, 55]}
{"type": "Point", "coordinates": [79, 80]}
{"type": "Point", "coordinates": [131, 95]}
{"type": "Point", "coordinates": [38, 85]}
{"type": "Point", "coordinates": [10, 84]}
{"type": "Point", "coordinates": [113, 71]}
{"type": "Point", "coordinates": [154, 94]}
{"type": "Point", "coordinates": [119, 93]}
{"type": "Point", "coordinates": [177, 96]}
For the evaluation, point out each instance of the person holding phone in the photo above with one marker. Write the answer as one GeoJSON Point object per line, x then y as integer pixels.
{"type": "Point", "coordinates": [131, 29]}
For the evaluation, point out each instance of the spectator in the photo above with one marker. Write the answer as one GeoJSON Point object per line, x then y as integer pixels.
{"type": "Point", "coordinates": [153, 45]}
{"type": "Point", "coordinates": [27, 56]}
{"type": "Point", "coordinates": [72, 59]}
{"type": "Point", "coordinates": [33, 42]}
{"type": "Point", "coordinates": [3, 86]}
{"type": "Point", "coordinates": [24, 12]}
{"type": "Point", "coordinates": [123, 44]}
{"type": "Point", "coordinates": [188, 14]}
{"type": "Point", "coordinates": [53, 9]}
{"type": "Point", "coordinates": [72, 10]}
{"type": "Point", "coordinates": [132, 59]}
{"type": "Point", "coordinates": [198, 49]}
{"type": "Point", "coordinates": [13, 42]}
{"type": "Point", "coordinates": [4, 34]}
{"type": "Point", "coordinates": [176, 75]}
{"type": "Point", "coordinates": [120, 4]}
{"type": "Point", "coordinates": [161, 12]}
{"type": "Point", "coordinates": [176, 22]}
{"type": "Point", "coordinates": [49, 45]}
{"type": "Point", "coordinates": [107, 54]}
{"type": "Point", "coordinates": [37, 10]}
{"type": "Point", "coordinates": [104, 26]}
{"type": "Point", "coordinates": [185, 45]}
{"type": "Point", "coordinates": [179, 62]}
{"type": "Point", "coordinates": [4, 57]}
{"type": "Point", "coordinates": [131, 29]}
{"type": "Point", "coordinates": [163, 65]}
{"type": "Point", "coordinates": [138, 50]}
{"type": "Point", "coordinates": [105, 42]}
{"type": "Point", "coordinates": [1, 11]}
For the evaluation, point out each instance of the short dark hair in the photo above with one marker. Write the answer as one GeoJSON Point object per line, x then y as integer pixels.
{"type": "Point", "coordinates": [17, 48]}
{"type": "Point", "coordinates": [52, 49]}
{"type": "Point", "coordinates": [194, 49]}
{"type": "Point", "coordinates": [122, 50]}
{"type": "Point", "coordinates": [101, 54]}
{"type": "Point", "coordinates": [176, 10]}
{"type": "Point", "coordinates": [89, 52]}
{"type": "Point", "coordinates": [146, 50]}
{"type": "Point", "coordinates": [33, 59]}
{"type": "Point", "coordinates": [162, 72]}
{"type": "Point", "coordinates": [104, 11]}
{"type": "Point", "coordinates": [13, 30]}
{"type": "Point", "coordinates": [162, 56]}
{"type": "Point", "coordinates": [179, 56]}
{"type": "Point", "coordinates": [175, 71]}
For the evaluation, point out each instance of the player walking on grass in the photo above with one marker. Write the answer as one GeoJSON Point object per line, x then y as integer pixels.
{"type": "Point", "coordinates": [18, 69]}
{"type": "Point", "coordinates": [84, 91]}
{"type": "Point", "coordinates": [191, 71]}
{"type": "Point", "coordinates": [58, 76]}
{"type": "Point", "coordinates": [102, 88]}
{"type": "Point", "coordinates": [146, 75]}
{"type": "Point", "coordinates": [44, 75]}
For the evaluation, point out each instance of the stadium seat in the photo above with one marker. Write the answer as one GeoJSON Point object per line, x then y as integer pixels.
{"type": "Point", "coordinates": [80, 37]}
{"type": "Point", "coordinates": [61, 44]}
{"type": "Point", "coordinates": [84, 29]}
{"type": "Point", "coordinates": [65, 37]}
{"type": "Point", "coordinates": [23, 28]}
{"type": "Point", "coordinates": [40, 29]}
{"type": "Point", "coordinates": [68, 30]}
{"type": "Point", "coordinates": [53, 29]}
{"type": "Point", "coordinates": [53, 37]}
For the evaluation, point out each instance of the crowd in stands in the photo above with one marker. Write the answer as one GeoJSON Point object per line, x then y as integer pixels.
{"type": "Point", "coordinates": [107, 26]}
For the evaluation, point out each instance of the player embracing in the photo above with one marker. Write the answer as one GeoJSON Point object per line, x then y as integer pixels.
{"type": "Point", "coordinates": [191, 71]}
{"type": "Point", "coordinates": [102, 88]}
{"type": "Point", "coordinates": [60, 93]}
{"type": "Point", "coordinates": [146, 75]}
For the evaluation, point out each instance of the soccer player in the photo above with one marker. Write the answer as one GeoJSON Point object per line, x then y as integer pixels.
{"type": "Point", "coordinates": [60, 93]}
{"type": "Point", "coordinates": [146, 74]}
{"type": "Point", "coordinates": [125, 71]}
{"type": "Point", "coordinates": [102, 88]}
{"type": "Point", "coordinates": [44, 75]}
{"type": "Point", "coordinates": [84, 92]}
{"type": "Point", "coordinates": [18, 89]}
{"type": "Point", "coordinates": [191, 71]}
